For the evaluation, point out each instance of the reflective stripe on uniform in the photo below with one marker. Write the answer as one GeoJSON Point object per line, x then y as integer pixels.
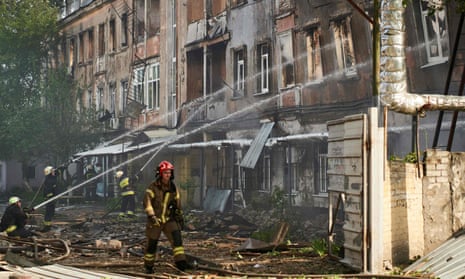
{"type": "Point", "coordinates": [124, 182]}
{"type": "Point", "coordinates": [178, 251]}
{"type": "Point", "coordinates": [11, 228]}
{"type": "Point", "coordinates": [165, 204]}
{"type": "Point", "coordinates": [149, 257]}
{"type": "Point", "coordinates": [151, 193]}
{"type": "Point", "coordinates": [127, 193]}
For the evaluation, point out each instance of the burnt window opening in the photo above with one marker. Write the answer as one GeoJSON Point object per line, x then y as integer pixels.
{"type": "Point", "coordinates": [124, 30]}
{"type": "Point", "coordinates": [287, 59]}
{"type": "Point", "coordinates": [71, 57]}
{"type": "Point", "coordinates": [153, 18]}
{"type": "Point", "coordinates": [435, 32]}
{"type": "Point", "coordinates": [140, 20]}
{"type": "Point", "coordinates": [314, 63]}
{"type": "Point", "coordinates": [263, 68]}
{"type": "Point", "coordinates": [81, 47]}
{"type": "Point", "coordinates": [266, 172]}
{"type": "Point", "coordinates": [90, 44]}
{"type": "Point", "coordinates": [101, 40]}
{"type": "Point", "coordinates": [239, 72]}
{"type": "Point", "coordinates": [112, 39]}
{"type": "Point", "coordinates": [344, 47]}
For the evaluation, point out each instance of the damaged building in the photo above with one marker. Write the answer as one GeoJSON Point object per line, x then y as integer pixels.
{"type": "Point", "coordinates": [239, 94]}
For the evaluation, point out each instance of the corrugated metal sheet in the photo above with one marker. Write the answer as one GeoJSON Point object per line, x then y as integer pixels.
{"type": "Point", "coordinates": [57, 271]}
{"type": "Point", "coordinates": [445, 262]}
{"type": "Point", "coordinates": [252, 155]}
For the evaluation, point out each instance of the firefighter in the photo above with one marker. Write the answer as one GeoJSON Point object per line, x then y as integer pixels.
{"type": "Point", "coordinates": [14, 220]}
{"type": "Point", "coordinates": [50, 190]}
{"type": "Point", "coordinates": [91, 189]}
{"type": "Point", "coordinates": [162, 205]}
{"type": "Point", "coordinates": [128, 196]}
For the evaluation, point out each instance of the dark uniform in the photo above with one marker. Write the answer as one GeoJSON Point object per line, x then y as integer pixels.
{"type": "Point", "coordinates": [128, 197]}
{"type": "Point", "coordinates": [91, 189]}
{"type": "Point", "coordinates": [50, 190]}
{"type": "Point", "coordinates": [14, 220]}
{"type": "Point", "coordinates": [163, 207]}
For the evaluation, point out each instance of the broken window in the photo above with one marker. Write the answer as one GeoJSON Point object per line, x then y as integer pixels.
{"type": "Point", "coordinates": [81, 47]}
{"type": "Point", "coordinates": [90, 44]}
{"type": "Point", "coordinates": [287, 59]}
{"type": "Point", "coordinates": [263, 68]}
{"type": "Point", "coordinates": [153, 81]}
{"type": "Point", "coordinates": [140, 20]}
{"type": "Point", "coordinates": [153, 18]}
{"type": "Point", "coordinates": [112, 39]}
{"type": "Point", "coordinates": [124, 30]}
{"type": "Point", "coordinates": [435, 33]}
{"type": "Point", "coordinates": [101, 40]}
{"type": "Point", "coordinates": [314, 65]}
{"type": "Point", "coordinates": [239, 72]}
{"type": "Point", "coordinates": [344, 46]}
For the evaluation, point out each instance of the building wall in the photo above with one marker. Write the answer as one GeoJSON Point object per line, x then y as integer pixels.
{"type": "Point", "coordinates": [403, 215]}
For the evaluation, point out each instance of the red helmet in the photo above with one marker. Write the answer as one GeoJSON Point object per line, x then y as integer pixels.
{"type": "Point", "coordinates": [165, 165]}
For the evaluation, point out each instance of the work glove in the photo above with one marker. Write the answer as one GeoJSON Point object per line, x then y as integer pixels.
{"type": "Point", "coordinates": [154, 220]}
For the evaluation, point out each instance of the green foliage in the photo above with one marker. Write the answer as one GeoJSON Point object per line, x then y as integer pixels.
{"type": "Point", "coordinates": [411, 157]}
{"type": "Point", "coordinates": [37, 113]}
{"type": "Point", "coordinates": [278, 200]}
{"type": "Point", "coordinates": [320, 246]}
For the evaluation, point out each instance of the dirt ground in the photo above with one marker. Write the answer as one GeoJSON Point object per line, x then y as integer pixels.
{"type": "Point", "coordinates": [218, 244]}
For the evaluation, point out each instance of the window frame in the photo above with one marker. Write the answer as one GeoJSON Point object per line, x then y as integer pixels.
{"type": "Point", "coordinates": [263, 64]}
{"type": "Point", "coordinates": [315, 71]}
{"type": "Point", "coordinates": [138, 84]}
{"type": "Point", "coordinates": [427, 28]}
{"type": "Point", "coordinates": [344, 46]}
{"type": "Point", "coordinates": [153, 87]}
{"type": "Point", "coordinates": [240, 68]}
{"type": "Point", "coordinates": [286, 52]}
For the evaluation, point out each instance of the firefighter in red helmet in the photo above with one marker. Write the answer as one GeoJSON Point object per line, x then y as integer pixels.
{"type": "Point", "coordinates": [162, 205]}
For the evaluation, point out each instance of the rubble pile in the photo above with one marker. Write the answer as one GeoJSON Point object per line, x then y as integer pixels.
{"type": "Point", "coordinates": [88, 236]}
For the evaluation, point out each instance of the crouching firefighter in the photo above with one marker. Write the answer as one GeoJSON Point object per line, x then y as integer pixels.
{"type": "Point", "coordinates": [163, 207]}
{"type": "Point", "coordinates": [14, 220]}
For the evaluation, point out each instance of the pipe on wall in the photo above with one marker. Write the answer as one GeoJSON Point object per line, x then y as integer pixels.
{"type": "Point", "coordinates": [393, 81]}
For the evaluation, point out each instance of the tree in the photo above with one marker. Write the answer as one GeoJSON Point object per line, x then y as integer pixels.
{"type": "Point", "coordinates": [38, 116]}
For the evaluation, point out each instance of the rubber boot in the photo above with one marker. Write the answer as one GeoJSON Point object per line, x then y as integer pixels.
{"type": "Point", "coordinates": [149, 269]}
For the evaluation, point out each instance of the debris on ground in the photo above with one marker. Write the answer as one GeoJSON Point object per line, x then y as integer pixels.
{"type": "Point", "coordinates": [220, 244]}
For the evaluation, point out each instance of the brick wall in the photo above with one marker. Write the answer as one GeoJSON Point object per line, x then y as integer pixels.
{"type": "Point", "coordinates": [403, 216]}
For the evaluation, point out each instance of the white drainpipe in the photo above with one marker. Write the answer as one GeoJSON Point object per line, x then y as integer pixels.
{"type": "Point", "coordinates": [393, 81]}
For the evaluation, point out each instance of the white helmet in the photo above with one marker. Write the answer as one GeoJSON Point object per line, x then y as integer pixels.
{"type": "Point", "coordinates": [13, 200]}
{"type": "Point", "coordinates": [119, 173]}
{"type": "Point", "coordinates": [48, 170]}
